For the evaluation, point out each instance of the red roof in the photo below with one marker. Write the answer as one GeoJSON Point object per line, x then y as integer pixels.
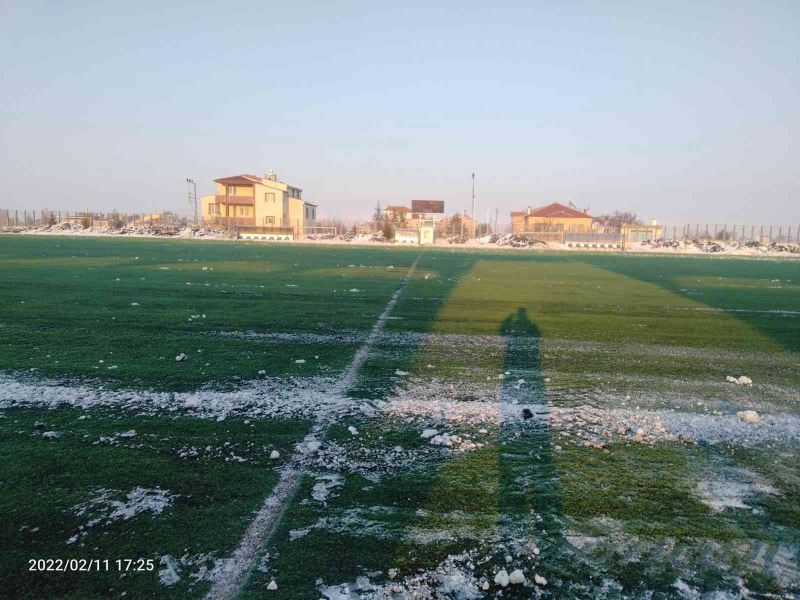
{"type": "Point", "coordinates": [398, 208]}
{"type": "Point", "coordinates": [238, 180]}
{"type": "Point", "coordinates": [554, 210]}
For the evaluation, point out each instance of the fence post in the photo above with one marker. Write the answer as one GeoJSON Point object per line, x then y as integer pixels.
{"type": "Point", "coordinates": [770, 234]}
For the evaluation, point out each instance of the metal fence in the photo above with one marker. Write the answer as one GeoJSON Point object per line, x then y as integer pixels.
{"type": "Point", "coordinates": [568, 237]}
{"type": "Point", "coordinates": [737, 233]}
{"type": "Point", "coordinates": [37, 218]}
{"type": "Point", "coordinates": [319, 230]}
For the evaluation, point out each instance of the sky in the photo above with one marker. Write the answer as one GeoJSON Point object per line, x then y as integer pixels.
{"type": "Point", "coordinates": [679, 111]}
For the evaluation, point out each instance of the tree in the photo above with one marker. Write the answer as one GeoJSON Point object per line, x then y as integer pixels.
{"type": "Point", "coordinates": [456, 225]}
{"type": "Point", "coordinates": [388, 230]}
{"type": "Point", "coordinates": [617, 219]}
{"type": "Point", "coordinates": [377, 216]}
{"type": "Point", "coordinates": [115, 220]}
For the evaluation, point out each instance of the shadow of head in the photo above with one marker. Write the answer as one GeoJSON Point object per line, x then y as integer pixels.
{"type": "Point", "coordinates": [518, 325]}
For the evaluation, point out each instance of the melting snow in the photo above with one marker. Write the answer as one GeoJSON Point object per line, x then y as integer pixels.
{"type": "Point", "coordinates": [325, 485]}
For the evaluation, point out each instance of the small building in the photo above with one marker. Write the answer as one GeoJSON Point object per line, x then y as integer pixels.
{"type": "Point", "coordinates": [554, 217]}
{"type": "Point", "coordinates": [639, 233]}
{"type": "Point", "coordinates": [258, 205]}
{"type": "Point", "coordinates": [423, 235]}
{"type": "Point", "coordinates": [427, 235]}
{"type": "Point", "coordinates": [406, 235]}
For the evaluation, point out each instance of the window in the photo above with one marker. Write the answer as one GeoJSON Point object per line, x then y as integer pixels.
{"type": "Point", "coordinates": [244, 211]}
{"type": "Point", "coordinates": [269, 197]}
{"type": "Point", "coordinates": [231, 190]}
{"type": "Point", "coordinates": [213, 209]}
{"type": "Point", "coordinates": [269, 220]}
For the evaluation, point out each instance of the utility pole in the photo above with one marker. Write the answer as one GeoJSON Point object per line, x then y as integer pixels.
{"type": "Point", "coordinates": [192, 193]}
{"type": "Point", "coordinates": [474, 216]}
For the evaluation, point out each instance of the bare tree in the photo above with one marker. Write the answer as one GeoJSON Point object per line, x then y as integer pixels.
{"type": "Point", "coordinates": [115, 220]}
{"type": "Point", "coordinates": [618, 219]}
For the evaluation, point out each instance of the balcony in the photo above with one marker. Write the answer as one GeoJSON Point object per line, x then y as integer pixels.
{"type": "Point", "coordinates": [235, 200]}
{"type": "Point", "coordinates": [228, 222]}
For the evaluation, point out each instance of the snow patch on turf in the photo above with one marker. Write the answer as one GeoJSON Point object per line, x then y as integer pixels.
{"type": "Point", "coordinates": [733, 488]}
{"type": "Point", "coordinates": [265, 397]}
{"type": "Point", "coordinates": [598, 425]}
{"type": "Point", "coordinates": [324, 487]}
{"type": "Point", "coordinates": [200, 567]}
{"type": "Point", "coordinates": [340, 337]}
{"type": "Point", "coordinates": [104, 507]}
{"type": "Point", "coordinates": [452, 578]}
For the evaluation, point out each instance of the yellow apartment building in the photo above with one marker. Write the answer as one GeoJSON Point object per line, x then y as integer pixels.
{"type": "Point", "coordinates": [249, 201]}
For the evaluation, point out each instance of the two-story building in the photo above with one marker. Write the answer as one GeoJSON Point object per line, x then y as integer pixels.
{"type": "Point", "coordinates": [249, 201]}
{"type": "Point", "coordinates": [554, 217]}
{"type": "Point", "coordinates": [396, 213]}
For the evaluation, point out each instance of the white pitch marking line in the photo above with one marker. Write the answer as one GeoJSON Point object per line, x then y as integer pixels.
{"type": "Point", "coordinates": [267, 516]}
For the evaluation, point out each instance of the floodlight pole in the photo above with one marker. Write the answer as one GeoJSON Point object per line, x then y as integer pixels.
{"type": "Point", "coordinates": [474, 216]}
{"type": "Point", "coordinates": [193, 198]}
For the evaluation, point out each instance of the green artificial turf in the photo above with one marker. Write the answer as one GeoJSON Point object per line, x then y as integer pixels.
{"type": "Point", "coordinates": [222, 477]}
{"type": "Point", "coordinates": [620, 520]}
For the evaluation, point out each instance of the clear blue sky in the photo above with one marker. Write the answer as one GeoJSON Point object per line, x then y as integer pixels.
{"type": "Point", "coordinates": [675, 110]}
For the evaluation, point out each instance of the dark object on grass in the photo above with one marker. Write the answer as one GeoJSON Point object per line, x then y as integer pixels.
{"type": "Point", "coordinates": [526, 413]}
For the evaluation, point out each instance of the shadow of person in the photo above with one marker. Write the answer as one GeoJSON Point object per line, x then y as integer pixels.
{"type": "Point", "coordinates": [529, 491]}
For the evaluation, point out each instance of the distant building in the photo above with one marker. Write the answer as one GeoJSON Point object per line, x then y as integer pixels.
{"type": "Point", "coordinates": [639, 232]}
{"type": "Point", "coordinates": [249, 201]}
{"type": "Point", "coordinates": [459, 224]}
{"type": "Point", "coordinates": [396, 213]}
{"type": "Point", "coordinates": [554, 217]}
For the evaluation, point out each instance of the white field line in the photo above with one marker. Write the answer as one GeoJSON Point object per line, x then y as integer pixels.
{"type": "Point", "coordinates": [227, 585]}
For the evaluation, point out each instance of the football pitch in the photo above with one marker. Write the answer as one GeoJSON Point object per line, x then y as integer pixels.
{"type": "Point", "coordinates": [184, 419]}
